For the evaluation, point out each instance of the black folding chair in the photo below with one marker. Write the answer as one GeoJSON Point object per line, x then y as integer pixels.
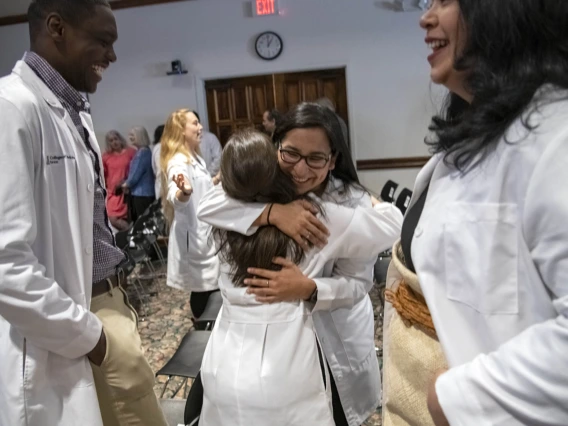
{"type": "Point", "coordinates": [403, 200]}
{"type": "Point", "coordinates": [186, 361]}
{"type": "Point", "coordinates": [206, 320]}
{"type": "Point", "coordinates": [388, 191]}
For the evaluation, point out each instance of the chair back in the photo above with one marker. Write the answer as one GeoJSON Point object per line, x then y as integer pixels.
{"type": "Point", "coordinates": [388, 191]}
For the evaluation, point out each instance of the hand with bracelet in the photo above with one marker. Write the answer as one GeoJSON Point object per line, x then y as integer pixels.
{"type": "Point", "coordinates": [297, 220]}
{"type": "Point", "coordinates": [184, 188]}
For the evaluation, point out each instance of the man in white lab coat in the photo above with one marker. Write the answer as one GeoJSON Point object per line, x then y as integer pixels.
{"type": "Point", "coordinates": [57, 252]}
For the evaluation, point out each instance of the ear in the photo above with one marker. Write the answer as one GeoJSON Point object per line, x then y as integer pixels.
{"type": "Point", "coordinates": [332, 161]}
{"type": "Point", "coordinates": [55, 26]}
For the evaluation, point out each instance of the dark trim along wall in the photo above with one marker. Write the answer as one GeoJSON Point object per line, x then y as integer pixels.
{"type": "Point", "coordinates": [117, 4]}
{"type": "Point", "coordinates": [392, 163]}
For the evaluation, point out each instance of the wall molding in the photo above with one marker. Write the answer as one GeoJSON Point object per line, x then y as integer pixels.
{"type": "Point", "coordinates": [116, 5]}
{"type": "Point", "coordinates": [392, 163]}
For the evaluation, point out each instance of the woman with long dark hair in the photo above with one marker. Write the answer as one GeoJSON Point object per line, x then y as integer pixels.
{"type": "Point", "coordinates": [486, 232]}
{"type": "Point", "coordinates": [313, 153]}
{"type": "Point", "coordinates": [262, 364]}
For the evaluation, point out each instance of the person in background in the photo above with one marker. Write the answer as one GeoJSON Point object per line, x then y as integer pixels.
{"type": "Point", "coordinates": [193, 264]}
{"type": "Point", "coordinates": [328, 103]}
{"type": "Point", "coordinates": [140, 182]}
{"type": "Point", "coordinates": [156, 160]}
{"type": "Point", "coordinates": [116, 164]}
{"type": "Point", "coordinates": [211, 151]}
{"type": "Point", "coordinates": [486, 230]}
{"type": "Point", "coordinates": [270, 119]}
{"type": "Point", "coordinates": [58, 257]}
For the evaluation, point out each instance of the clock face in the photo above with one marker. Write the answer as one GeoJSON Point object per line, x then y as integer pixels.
{"type": "Point", "coordinates": [269, 45]}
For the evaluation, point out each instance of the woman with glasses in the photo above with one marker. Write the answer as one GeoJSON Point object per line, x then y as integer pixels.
{"type": "Point", "coordinates": [312, 152]}
{"type": "Point", "coordinates": [262, 365]}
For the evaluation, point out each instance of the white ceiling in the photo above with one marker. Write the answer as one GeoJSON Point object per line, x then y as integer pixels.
{"type": "Point", "coordinates": [15, 7]}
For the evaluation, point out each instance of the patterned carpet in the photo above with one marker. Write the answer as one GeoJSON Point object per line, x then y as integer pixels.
{"type": "Point", "coordinates": [168, 319]}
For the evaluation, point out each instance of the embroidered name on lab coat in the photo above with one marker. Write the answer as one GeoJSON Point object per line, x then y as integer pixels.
{"type": "Point", "coordinates": [56, 159]}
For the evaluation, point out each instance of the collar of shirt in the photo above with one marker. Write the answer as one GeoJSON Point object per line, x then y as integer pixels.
{"type": "Point", "coordinates": [69, 96]}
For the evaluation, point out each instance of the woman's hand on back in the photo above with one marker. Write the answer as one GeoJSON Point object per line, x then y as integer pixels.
{"type": "Point", "coordinates": [298, 220]}
{"type": "Point", "coordinates": [287, 285]}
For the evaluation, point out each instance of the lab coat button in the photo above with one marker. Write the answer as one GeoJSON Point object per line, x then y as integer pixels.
{"type": "Point", "coordinates": [89, 250]}
{"type": "Point", "coordinates": [90, 187]}
{"type": "Point", "coordinates": [418, 231]}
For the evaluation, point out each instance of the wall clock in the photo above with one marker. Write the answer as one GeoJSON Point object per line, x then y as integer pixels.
{"type": "Point", "coordinates": [268, 45]}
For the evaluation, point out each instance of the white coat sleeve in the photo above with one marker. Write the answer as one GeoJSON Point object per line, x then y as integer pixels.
{"type": "Point", "coordinates": [156, 160]}
{"type": "Point", "coordinates": [526, 380]}
{"type": "Point", "coordinates": [221, 211]}
{"type": "Point", "coordinates": [34, 304]}
{"type": "Point", "coordinates": [370, 232]}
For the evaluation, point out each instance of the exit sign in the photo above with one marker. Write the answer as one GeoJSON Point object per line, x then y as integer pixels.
{"type": "Point", "coordinates": [264, 7]}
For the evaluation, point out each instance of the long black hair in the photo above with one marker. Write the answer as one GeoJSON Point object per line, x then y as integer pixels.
{"type": "Point", "coordinates": [310, 115]}
{"type": "Point", "coordinates": [511, 49]}
{"type": "Point", "coordinates": [250, 171]}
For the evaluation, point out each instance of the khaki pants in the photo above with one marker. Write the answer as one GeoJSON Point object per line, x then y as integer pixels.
{"type": "Point", "coordinates": [124, 381]}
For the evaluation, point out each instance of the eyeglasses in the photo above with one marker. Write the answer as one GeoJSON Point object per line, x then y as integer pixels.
{"type": "Point", "coordinates": [313, 161]}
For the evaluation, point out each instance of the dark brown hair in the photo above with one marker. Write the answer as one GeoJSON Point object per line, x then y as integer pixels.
{"type": "Point", "coordinates": [250, 173]}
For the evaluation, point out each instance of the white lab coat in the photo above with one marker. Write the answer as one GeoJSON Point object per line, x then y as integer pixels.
{"type": "Point", "coordinates": [46, 257]}
{"type": "Point", "coordinates": [192, 262]}
{"type": "Point", "coordinates": [343, 315]}
{"type": "Point", "coordinates": [491, 253]}
{"type": "Point", "coordinates": [261, 365]}
{"type": "Point", "coordinates": [156, 150]}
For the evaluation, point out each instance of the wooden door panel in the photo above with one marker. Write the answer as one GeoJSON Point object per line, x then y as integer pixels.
{"type": "Point", "coordinates": [261, 99]}
{"type": "Point", "coordinates": [223, 104]}
{"type": "Point", "coordinates": [240, 102]}
{"type": "Point", "coordinates": [310, 91]}
{"type": "Point", "coordinates": [223, 133]}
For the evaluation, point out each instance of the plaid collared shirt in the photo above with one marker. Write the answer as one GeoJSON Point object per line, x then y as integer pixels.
{"type": "Point", "coordinates": [106, 256]}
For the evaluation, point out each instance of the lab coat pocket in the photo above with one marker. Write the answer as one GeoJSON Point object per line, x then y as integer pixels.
{"type": "Point", "coordinates": [35, 369]}
{"type": "Point", "coordinates": [480, 251]}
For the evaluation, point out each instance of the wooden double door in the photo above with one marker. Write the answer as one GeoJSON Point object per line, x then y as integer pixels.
{"type": "Point", "coordinates": [238, 103]}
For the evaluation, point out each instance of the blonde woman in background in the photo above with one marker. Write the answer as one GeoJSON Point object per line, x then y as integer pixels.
{"type": "Point", "coordinates": [116, 165]}
{"type": "Point", "coordinates": [140, 182]}
{"type": "Point", "coordinates": [192, 263]}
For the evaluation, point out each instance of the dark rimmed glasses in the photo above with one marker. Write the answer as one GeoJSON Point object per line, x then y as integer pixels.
{"type": "Point", "coordinates": [314, 161]}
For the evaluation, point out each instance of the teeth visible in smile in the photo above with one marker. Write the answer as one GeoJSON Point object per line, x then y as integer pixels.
{"type": "Point", "coordinates": [437, 44]}
{"type": "Point", "coordinates": [99, 70]}
{"type": "Point", "coordinates": [299, 180]}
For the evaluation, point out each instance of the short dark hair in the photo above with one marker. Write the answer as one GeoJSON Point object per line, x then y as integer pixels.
{"type": "Point", "coordinates": [512, 48]}
{"type": "Point", "coordinates": [158, 133]}
{"type": "Point", "coordinates": [72, 11]}
{"type": "Point", "coordinates": [274, 115]}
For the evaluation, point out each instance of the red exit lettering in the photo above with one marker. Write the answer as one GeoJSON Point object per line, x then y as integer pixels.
{"type": "Point", "coordinates": [265, 7]}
